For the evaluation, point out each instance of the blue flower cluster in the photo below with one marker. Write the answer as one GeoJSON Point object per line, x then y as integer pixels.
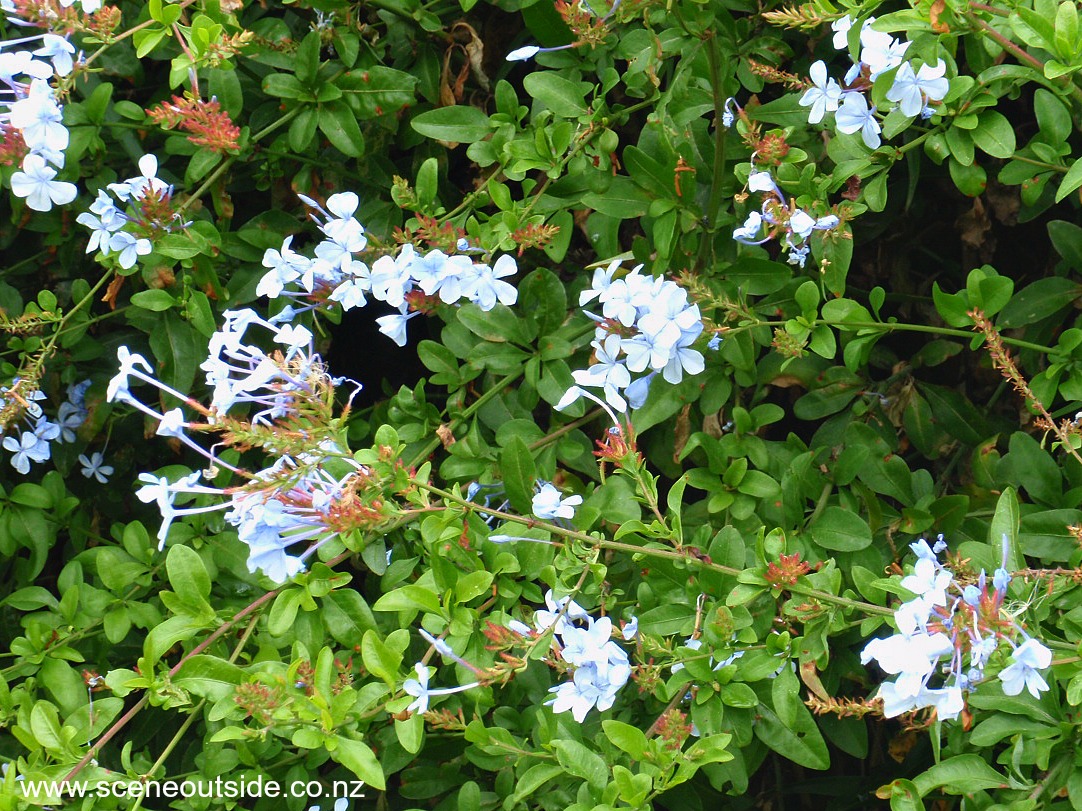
{"type": "Point", "coordinates": [601, 667]}
{"type": "Point", "coordinates": [777, 218]}
{"type": "Point", "coordinates": [646, 327]}
{"type": "Point", "coordinates": [952, 630]}
{"type": "Point", "coordinates": [32, 129]}
{"type": "Point", "coordinates": [911, 90]}
{"type": "Point", "coordinates": [33, 444]}
{"type": "Point", "coordinates": [292, 500]}
{"type": "Point", "coordinates": [409, 281]}
{"type": "Point", "coordinates": [129, 234]}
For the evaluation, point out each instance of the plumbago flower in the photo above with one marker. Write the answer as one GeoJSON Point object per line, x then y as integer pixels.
{"type": "Point", "coordinates": [31, 115]}
{"type": "Point", "coordinates": [913, 90]}
{"type": "Point", "coordinates": [777, 219]}
{"type": "Point", "coordinates": [407, 281]}
{"type": "Point", "coordinates": [281, 401]}
{"type": "Point", "coordinates": [647, 327]}
{"type": "Point", "coordinates": [601, 667]}
{"type": "Point", "coordinates": [949, 634]}
{"type": "Point", "coordinates": [128, 233]}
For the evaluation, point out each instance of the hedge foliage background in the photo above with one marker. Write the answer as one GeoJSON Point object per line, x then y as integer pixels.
{"type": "Point", "coordinates": [858, 298]}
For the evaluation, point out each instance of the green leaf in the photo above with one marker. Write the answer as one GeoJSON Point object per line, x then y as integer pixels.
{"type": "Point", "coordinates": [283, 612]}
{"type": "Point", "coordinates": [1071, 181]}
{"type": "Point", "coordinates": [789, 729]}
{"type": "Point", "coordinates": [1067, 239]}
{"type": "Point", "coordinates": [180, 350]}
{"type": "Point", "coordinates": [536, 776]}
{"type": "Point", "coordinates": [306, 58]}
{"type": "Point", "coordinates": [519, 474]}
{"type": "Point", "coordinates": [379, 659]}
{"type": "Point", "coordinates": [961, 774]}
{"type": "Point", "coordinates": [209, 677]}
{"type": "Point", "coordinates": [995, 135]}
{"type": "Point", "coordinates": [1005, 524]}
{"type": "Point", "coordinates": [409, 598]}
{"type": "Point", "coordinates": [499, 324]}
{"type": "Point", "coordinates": [359, 759]}
{"type": "Point", "coordinates": [472, 585]}
{"type": "Point", "coordinates": [347, 616]}
{"type": "Point", "coordinates": [32, 495]}
{"type": "Point", "coordinates": [337, 122]}
{"type": "Point", "coordinates": [626, 737]}
{"type": "Point", "coordinates": [283, 85]}
{"type": "Point", "coordinates": [166, 634]}
{"type": "Point", "coordinates": [1039, 300]}
{"type": "Point", "coordinates": [623, 199]}
{"type": "Point", "coordinates": [459, 123]}
{"type": "Point", "coordinates": [563, 96]}
{"type": "Point", "coordinates": [187, 575]}
{"type": "Point", "coordinates": [302, 129]}
{"type": "Point", "coordinates": [154, 300]}
{"type": "Point", "coordinates": [841, 530]}
{"type": "Point", "coordinates": [378, 91]}
{"type": "Point", "coordinates": [581, 762]}
{"type": "Point", "coordinates": [1053, 117]}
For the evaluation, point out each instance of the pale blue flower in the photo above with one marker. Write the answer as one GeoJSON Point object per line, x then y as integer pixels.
{"type": "Point", "coordinates": [911, 89]}
{"type": "Point", "coordinates": [94, 467]}
{"type": "Point", "coordinates": [548, 505]}
{"type": "Point", "coordinates": [36, 182]}
{"type": "Point", "coordinates": [1029, 657]}
{"type": "Point", "coordinates": [854, 116]}
{"type": "Point", "coordinates": [824, 94]}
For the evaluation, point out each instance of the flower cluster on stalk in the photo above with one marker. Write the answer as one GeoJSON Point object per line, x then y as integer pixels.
{"type": "Point", "coordinates": [948, 635]}
{"type": "Point", "coordinates": [780, 219]}
{"type": "Point", "coordinates": [32, 131]}
{"type": "Point", "coordinates": [646, 327]}
{"type": "Point", "coordinates": [129, 232]}
{"type": "Point", "coordinates": [34, 441]}
{"type": "Point", "coordinates": [310, 492]}
{"type": "Point", "coordinates": [409, 281]}
{"type": "Point", "coordinates": [913, 91]}
{"type": "Point", "coordinates": [599, 667]}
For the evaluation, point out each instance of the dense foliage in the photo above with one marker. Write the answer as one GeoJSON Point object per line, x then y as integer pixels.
{"type": "Point", "coordinates": [542, 406]}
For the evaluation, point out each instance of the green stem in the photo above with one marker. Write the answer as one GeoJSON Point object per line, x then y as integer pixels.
{"type": "Point", "coordinates": [714, 203]}
{"type": "Point", "coordinates": [121, 37]}
{"type": "Point", "coordinates": [222, 167]}
{"type": "Point", "coordinates": [1021, 55]}
{"type": "Point", "coordinates": [50, 344]}
{"type": "Point", "coordinates": [893, 326]}
{"type": "Point", "coordinates": [685, 556]}
{"type": "Point", "coordinates": [467, 412]}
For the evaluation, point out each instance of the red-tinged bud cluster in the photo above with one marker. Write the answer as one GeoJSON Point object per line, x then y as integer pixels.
{"type": "Point", "coordinates": [420, 303]}
{"type": "Point", "coordinates": [674, 728]}
{"type": "Point", "coordinates": [258, 700]}
{"type": "Point", "coordinates": [431, 232]}
{"type": "Point", "coordinates": [12, 146]}
{"type": "Point", "coordinates": [534, 236]}
{"type": "Point", "coordinates": [104, 22]}
{"type": "Point", "coordinates": [786, 571]}
{"type": "Point", "coordinates": [208, 124]}
{"type": "Point", "coordinates": [582, 22]}
{"type": "Point", "coordinates": [772, 149]}
{"type": "Point", "coordinates": [50, 15]}
{"type": "Point", "coordinates": [500, 637]}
